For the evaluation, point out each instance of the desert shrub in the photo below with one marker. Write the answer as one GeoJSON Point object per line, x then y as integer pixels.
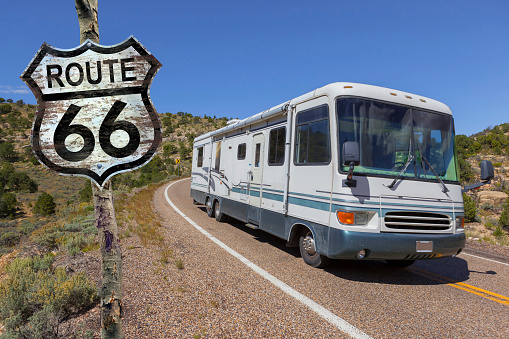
{"type": "Point", "coordinates": [26, 226]}
{"type": "Point", "coordinates": [8, 205]}
{"type": "Point", "coordinates": [35, 298]}
{"type": "Point", "coordinates": [9, 239]}
{"type": "Point", "coordinates": [7, 152]}
{"type": "Point", "coordinates": [19, 181]}
{"type": "Point", "coordinates": [86, 192]}
{"type": "Point", "coordinates": [47, 236]}
{"type": "Point", "coordinates": [466, 172]}
{"type": "Point", "coordinates": [45, 205]}
{"type": "Point", "coordinates": [504, 216]}
{"type": "Point", "coordinates": [5, 108]}
{"type": "Point", "coordinates": [470, 208]}
{"type": "Point", "coordinates": [498, 232]}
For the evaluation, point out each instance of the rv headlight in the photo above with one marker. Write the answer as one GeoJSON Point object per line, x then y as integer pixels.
{"type": "Point", "coordinates": [460, 222]}
{"type": "Point", "coordinates": [352, 218]}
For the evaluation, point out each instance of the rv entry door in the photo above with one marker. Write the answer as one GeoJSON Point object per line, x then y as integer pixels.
{"type": "Point", "coordinates": [255, 180]}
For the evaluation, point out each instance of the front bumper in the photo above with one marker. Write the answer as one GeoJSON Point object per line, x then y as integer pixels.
{"type": "Point", "coordinates": [392, 246]}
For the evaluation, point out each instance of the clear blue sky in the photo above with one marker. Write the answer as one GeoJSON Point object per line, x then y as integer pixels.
{"type": "Point", "coordinates": [237, 58]}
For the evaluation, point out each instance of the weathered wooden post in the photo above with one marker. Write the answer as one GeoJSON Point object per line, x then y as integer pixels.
{"type": "Point", "coordinates": [95, 119]}
{"type": "Point", "coordinates": [106, 222]}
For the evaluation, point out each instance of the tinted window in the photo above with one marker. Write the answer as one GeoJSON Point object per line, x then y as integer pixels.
{"type": "Point", "coordinates": [241, 152]}
{"type": "Point", "coordinates": [257, 155]}
{"type": "Point", "coordinates": [218, 155]}
{"type": "Point", "coordinates": [277, 138]}
{"type": "Point", "coordinates": [200, 157]}
{"type": "Point", "coordinates": [312, 137]}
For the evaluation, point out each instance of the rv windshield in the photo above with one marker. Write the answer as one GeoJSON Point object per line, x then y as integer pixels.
{"type": "Point", "coordinates": [389, 134]}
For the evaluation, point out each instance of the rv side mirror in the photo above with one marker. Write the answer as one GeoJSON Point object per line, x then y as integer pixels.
{"type": "Point", "coordinates": [351, 153]}
{"type": "Point", "coordinates": [487, 172]}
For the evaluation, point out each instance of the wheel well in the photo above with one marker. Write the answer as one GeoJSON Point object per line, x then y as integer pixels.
{"type": "Point", "coordinates": [295, 232]}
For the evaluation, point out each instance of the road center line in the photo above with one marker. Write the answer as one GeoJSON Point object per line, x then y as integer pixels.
{"type": "Point", "coordinates": [462, 286]}
{"type": "Point", "coordinates": [340, 323]}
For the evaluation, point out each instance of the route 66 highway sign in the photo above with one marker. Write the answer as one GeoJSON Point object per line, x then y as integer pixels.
{"type": "Point", "coordinates": [94, 114]}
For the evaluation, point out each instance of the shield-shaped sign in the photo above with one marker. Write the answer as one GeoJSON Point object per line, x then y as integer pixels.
{"type": "Point", "coordinates": [94, 114]}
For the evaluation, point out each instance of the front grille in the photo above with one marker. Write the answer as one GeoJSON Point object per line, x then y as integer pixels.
{"type": "Point", "coordinates": [422, 221]}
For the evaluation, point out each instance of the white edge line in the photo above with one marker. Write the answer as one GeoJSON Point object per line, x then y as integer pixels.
{"type": "Point", "coordinates": [341, 324]}
{"type": "Point", "coordinates": [475, 256]}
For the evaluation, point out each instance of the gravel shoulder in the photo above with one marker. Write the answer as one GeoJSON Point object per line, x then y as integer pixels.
{"type": "Point", "coordinates": [487, 250]}
{"type": "Point", "coordinates": [213, 296]}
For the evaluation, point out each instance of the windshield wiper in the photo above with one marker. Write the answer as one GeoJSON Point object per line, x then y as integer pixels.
{"type": "Point", "coordinates": [444, 188]}
{"type": "Point", "coordinates": [410, 158]}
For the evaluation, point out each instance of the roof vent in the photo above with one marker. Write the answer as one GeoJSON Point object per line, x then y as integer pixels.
{"type": "Point", "coordinates": [231, 122]}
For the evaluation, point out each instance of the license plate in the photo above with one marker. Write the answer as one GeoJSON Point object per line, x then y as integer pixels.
{"type": "Point", "coordinates": [424, 246]}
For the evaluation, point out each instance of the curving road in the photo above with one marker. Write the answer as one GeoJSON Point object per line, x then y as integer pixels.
{"type": "Point", "coordinates": [462, 297]}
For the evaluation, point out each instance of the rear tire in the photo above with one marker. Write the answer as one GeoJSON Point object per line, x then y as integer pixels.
{"type": "Point", "coordinates": [209, 207]}
{"type": "Point", "coordinates": [399, 263]}
{"type": "Point", "coordinates": [308, 251]}
{"type": "Point", "coordinates": [220, 216]}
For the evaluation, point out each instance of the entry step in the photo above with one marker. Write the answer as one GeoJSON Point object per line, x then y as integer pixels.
{"type": "Point", "coordinates": [255, 227]}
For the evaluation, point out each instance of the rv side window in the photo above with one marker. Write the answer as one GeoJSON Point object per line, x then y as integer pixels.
{"type": "Point", "coordinates": [257, 155]}
{"type": "Point", "coordinates": [200, 156]}
{"type": "Point", "coordinates": [218, 156]}
{"type": "Point", "coordinates": [312, 137]}
{"type": "Point", "coordinates": [277, 140]}
{"type": "Point", "coordinates": [241, 152]}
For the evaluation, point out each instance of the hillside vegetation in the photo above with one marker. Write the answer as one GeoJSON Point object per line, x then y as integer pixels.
{"type": "Point", "coordinates": [486, 209]}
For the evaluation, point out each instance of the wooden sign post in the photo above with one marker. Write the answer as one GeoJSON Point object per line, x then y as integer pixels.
{"type": "Point", "coordinates": [95, 119]}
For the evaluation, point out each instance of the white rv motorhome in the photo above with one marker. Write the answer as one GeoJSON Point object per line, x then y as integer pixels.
{"type": "Point", "coordinates": [347, 171]}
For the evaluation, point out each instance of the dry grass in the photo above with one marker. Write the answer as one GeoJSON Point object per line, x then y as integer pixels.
{"type": "Point", "coordinates": [487, 233]}
{"type": "Point", "coordinates": [135, 211]}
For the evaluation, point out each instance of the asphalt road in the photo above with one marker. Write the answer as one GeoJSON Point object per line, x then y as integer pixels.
{"type": "Point", "coordinates": [460, 297]}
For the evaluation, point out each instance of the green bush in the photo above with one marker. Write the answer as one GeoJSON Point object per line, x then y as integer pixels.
{"type": "Point", "coordinates": [7, 152]}
{"type": "Point", "coordinates": [9, 239]}
{"type": "Point", "coordinates": [45, 205]}
{"type": "Point", "coordinates": [5, 108]}
{"type": "Point", "coordinates": [34, 298]}
{"type": "Point", "coordinates": [8, 205]}
{"type": "Point", "coordinates": [504, 216]}
{"type": "Point", "coordinates": [26, 226]}
{"type": "Point", "coordinates": [86, 192]}
{"type": "Point", "coordinates": [498, 232]}
{"type": "Point", "coordinates": [470, 208]}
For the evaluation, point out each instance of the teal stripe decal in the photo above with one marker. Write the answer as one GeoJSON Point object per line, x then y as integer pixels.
{"type": "Point", "coordinates": [309, 195]}
{"type": "Point", "coordinates": [271, 196]}
{"type": "Point", "coordinates": [239, 190]}
{"type": "Point", "coordinates": [309, 203]}
{"type": "Point", "coordinates": [271, 190]}
{"type": "Point", "coordinates": [391, 204]}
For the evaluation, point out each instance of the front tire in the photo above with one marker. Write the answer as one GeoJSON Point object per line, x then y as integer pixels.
{"type": "Point", "coordinates": [209, 207]}
{"type": "Point", "coordinates": [308, 251]}
{"type": "Point", "coordinates": [220, 216]}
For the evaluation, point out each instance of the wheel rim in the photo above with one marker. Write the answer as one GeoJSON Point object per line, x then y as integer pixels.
{"type": "Point", "coordinates": [217, 209]}
{"type": "Point", "coordinates": [309, 244]}
{"type": "Point", "coordinates": [209, 207]}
